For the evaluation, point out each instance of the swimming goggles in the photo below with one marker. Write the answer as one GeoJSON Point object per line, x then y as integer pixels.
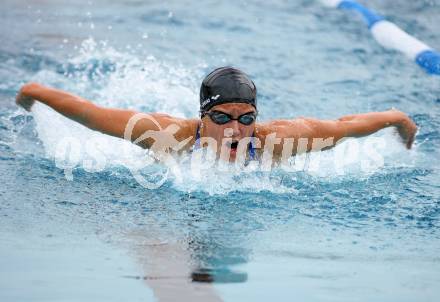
{"type": "Point", "coordinates": [221, 118]}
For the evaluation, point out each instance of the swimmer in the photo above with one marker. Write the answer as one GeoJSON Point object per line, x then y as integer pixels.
{"type": "Point", "coordinates": [228, 115]}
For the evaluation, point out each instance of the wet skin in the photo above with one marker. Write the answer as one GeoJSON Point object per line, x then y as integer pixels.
{"type": "Point", "coordinates": [113, 121]}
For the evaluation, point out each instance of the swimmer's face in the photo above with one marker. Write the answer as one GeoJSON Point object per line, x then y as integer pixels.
{"type": "Point", "coordinates": [234, 129]}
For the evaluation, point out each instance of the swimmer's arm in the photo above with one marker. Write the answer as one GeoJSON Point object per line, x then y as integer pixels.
{"type": "Point", "coordinates": [106, 120]}
{"type": "Point", "coordinates": [359, 125]}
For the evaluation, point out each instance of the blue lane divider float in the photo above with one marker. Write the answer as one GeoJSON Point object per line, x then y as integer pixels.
{"type": "Point", "coordinates": [389, 35]}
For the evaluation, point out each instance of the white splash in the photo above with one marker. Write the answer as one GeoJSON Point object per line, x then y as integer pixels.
{"type": "Point", "coordinates": [151, 85]}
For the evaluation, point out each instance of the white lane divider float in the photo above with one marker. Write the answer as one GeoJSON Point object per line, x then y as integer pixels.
{"type": "Point", "coordinates": [391, 36]}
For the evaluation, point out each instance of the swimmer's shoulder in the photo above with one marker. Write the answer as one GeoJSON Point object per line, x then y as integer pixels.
{"type": "Point", "coordinates": [187, 128]}
{"type": "Point", "coordinates": [283, 128]}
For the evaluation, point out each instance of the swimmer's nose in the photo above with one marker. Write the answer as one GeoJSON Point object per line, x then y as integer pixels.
{"type": "Point", "coordinates": [235, 128]}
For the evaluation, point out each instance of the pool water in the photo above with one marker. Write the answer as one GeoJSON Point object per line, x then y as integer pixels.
{"type": "Point", "coordinates": [74, 228]}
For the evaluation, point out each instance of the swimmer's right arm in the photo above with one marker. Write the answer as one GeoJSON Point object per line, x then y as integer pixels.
{"type": "Point", "coordinates": [110, 121]}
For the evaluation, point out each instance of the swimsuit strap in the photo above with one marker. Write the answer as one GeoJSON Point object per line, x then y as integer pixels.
{"type": "Point", "coordinates": [251, 149]}
{"type": "Point", "coordinates": [197, 142]}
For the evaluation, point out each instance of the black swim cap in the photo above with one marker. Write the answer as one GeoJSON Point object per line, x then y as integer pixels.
{"type": "Point", "coordinates": [227, 85]}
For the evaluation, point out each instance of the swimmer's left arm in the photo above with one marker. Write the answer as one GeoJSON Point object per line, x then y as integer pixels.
{"type": "Point", "coordinates": [358, 125]}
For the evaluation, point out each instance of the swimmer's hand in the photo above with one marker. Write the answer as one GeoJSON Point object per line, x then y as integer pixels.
{"type": "Point", "coordinates": [23, 99]}
{"type": "Point", "coordinates": [405, 127]}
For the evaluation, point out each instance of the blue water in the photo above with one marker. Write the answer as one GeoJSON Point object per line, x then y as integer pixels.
{"type": "Point", "coordinates": [70, 233]}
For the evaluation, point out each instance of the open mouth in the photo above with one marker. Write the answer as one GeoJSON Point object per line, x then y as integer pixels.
{"type": "Point", "coordinates": [234, 145]}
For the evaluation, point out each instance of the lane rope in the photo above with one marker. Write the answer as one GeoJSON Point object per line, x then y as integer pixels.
{"type": "Point", "coordinates": [390, 36]}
